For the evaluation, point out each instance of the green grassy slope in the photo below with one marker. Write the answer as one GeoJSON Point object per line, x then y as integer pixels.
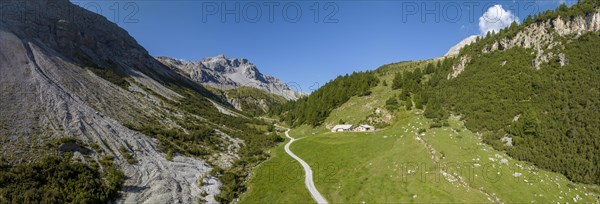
{"type": "Point", "coordinates": [278, 180]}
{"type": "Point", "coordinates": [314, 109]}
{"type": "Point", "coordinates": [356, 111]}
{"type": "Point", "coordinates": [373, 167]}
{"type": "Point", "coordinates": [558, 119]}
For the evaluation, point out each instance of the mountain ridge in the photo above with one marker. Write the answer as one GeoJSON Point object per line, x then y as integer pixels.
{"type": "Point", "coordinates": [229, 73]}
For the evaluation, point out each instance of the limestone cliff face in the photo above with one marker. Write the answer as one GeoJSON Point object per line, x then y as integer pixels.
{"type": "Point", "coordinates": [543, 39]}
{"type": "Point", "coordinates": [542, 36]}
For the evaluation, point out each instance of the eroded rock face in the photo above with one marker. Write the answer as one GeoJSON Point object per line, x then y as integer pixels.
{"type": "Point", "coordinates": [540, 37]}
{"type": "Point", "coordinates": [47, 92]}
{"type": "Point", "coordinates": [562, 60]}
{"type": "Point", "coordinates": [226, 158]}
{"type": "Point", "coordinates": [225, 73]}
{"type": "Point", "coordinates": [460, 67]}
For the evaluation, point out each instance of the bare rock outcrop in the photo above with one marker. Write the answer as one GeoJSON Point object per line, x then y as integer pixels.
{"type": "Point", "coordinates": [562, 60]}
{"type": "Point", "coordinates": [460, 67]}
{"type": "Point", "coordinates": [541, 37]}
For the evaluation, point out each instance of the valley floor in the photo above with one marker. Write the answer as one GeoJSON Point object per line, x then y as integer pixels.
{"type": "Point", "coordinates": [407, 162]}
{"type": "Point", "coordinates": [308, 172]}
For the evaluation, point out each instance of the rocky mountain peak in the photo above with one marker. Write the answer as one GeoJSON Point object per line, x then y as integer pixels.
{"type": "Point", "coordinates": [230, 73]}
{"type": "Point", "coordinates": [220, 63]}
{"type": "Point", "coordinates": [455, 50]}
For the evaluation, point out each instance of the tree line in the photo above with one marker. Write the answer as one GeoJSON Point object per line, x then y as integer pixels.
{"type": "Point", "coordinates": [314, 109]}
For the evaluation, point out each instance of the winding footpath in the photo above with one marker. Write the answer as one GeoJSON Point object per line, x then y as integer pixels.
{"type": "Point", "coordinates": [308, 179]}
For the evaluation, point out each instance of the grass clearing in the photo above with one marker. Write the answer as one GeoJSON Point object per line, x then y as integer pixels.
{"type": "Point", "coordinates": [277, 180]}
{"type": "Point", "coordinates": [373, 167]}
{"type": "Point", "coordinates": [392, 165]}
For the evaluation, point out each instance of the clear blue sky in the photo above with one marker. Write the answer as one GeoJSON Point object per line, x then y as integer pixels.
{"type": "Point", "coordinates": [347, 36]}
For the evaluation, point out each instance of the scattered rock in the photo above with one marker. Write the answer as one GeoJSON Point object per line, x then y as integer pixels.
{"type": "Point", "coordinates": [460, 67]}
{"type": "Point", "coordinates": [541, 58]}
{"type": "Point", "coordinates": [516, 118]}
{"type": "Point", "coordinates": [562, 59]}
{"type": "Point", "coordinates": [507, 141]}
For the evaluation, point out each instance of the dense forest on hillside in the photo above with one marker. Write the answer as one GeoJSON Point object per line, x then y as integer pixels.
{"type": "Point", "coordinates": [313, 110]}
{"type": "Point", "coordinates": [550, 116]}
